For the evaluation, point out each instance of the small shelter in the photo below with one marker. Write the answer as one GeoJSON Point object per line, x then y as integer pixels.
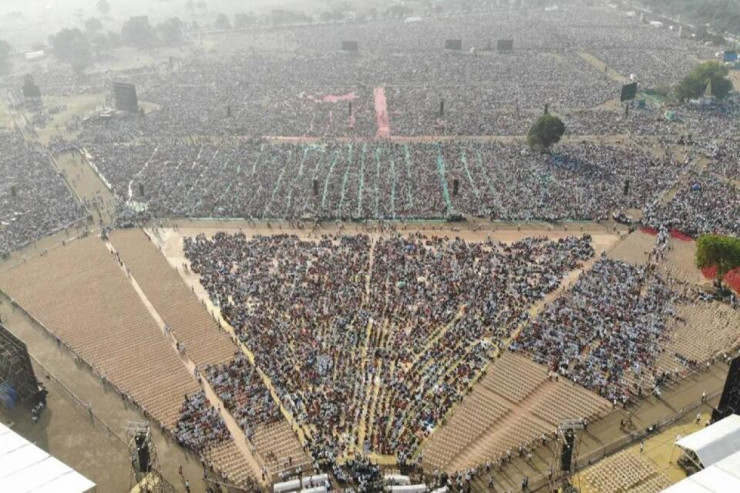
{"type": "Point", "coordinates": [710, 445]}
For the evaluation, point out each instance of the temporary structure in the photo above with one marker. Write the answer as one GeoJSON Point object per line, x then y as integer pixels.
{"type": "Point", "coordinates": [26, 468]}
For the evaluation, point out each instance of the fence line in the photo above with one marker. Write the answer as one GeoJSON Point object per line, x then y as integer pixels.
{"type": "Point", "coordinates": [621, 443]}
{"type": "Point", "coordinates": [77, 400]}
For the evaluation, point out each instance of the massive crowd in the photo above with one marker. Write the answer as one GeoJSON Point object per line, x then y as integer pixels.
{"type": "Point", "coordinates": [368, 345]}
{"type": "Point", "coordinates": [303, 85]}
{"type": "Point", "coordinates": [34, 199]}
{"type": "Point", "coordinates": [369, 342]}
{"type": "Point", "coordinates": [705, 203]}
{"type": "Point", "coordinates": [607, 332]}
{"type": "Point", "coordinates": [370, 180]}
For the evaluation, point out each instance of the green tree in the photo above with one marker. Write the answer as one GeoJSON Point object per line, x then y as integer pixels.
{"type": "Point", "coordinates": [138, 32]}
{"type": "Point", "coordinates": [243, 20]}
{"type": "Point", "coordinates": [693, 85]}
{"type": "Point", "coordinates": [545, 132]}
{"type": "Point", "coordinates": [222, 22]}
{"type": "Point", "coordinates": [103, 7]}
{"type": "Point", "coordinates": [92, 25]}
{"type": "Point", "coordinates": [5, 64]}
{"type": "Point", "coordinates": [722, 252]}
{"type": "Point", "coordinates": [170, 31]}
{"type": "Point", "coordinates": [114, 39]}
{"type": "Point", "coordinates": [71, 46]}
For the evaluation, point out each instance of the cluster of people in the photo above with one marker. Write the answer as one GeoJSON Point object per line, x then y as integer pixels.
{"type": "Point", "coordinates": [308, 87]}
{"type": "Point", "coordinates": [726, 161]}
{"type": "Point", "coordinates": [368, 344]}
{"type": "Point", "coordinates": [200, 425]}
{"type": "Point", "coordinates": [241, 389]}
{"type": "Point", "coordinates": [362, 472]}
{"type": "Point", "coordinates": [382, 180]}
{"type": "Point", "coordinates": [607, 332]}
{"type": "Point", "coordinates": [705, 203]}
{"type": "Point", "coordinates": [34, 200]}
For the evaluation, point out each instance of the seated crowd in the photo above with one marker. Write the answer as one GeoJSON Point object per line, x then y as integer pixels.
{"type": "Point", "coordinates": [200, 425]}
{"type": "Point", "coordinates": [607, 332]}
{"type": "Point", "coordinates": [367, 346]}
{"type": "Point", "coordinates": [244, 394]}
{"type": "Point", "coordinates": [307, 90]}
{"type": "Point", "coordinates": [257, 179]}
{"type": "Point", "coordinates": [704, 203]}
{"type": "Point", "coordinates": [34, 200]}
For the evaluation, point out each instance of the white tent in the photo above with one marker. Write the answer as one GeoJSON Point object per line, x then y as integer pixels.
{"type": "Point", "coordinates": [26, 468]}
{"type": "Point", "coordinates": [720, 477]}
{"type": "Point", "coordinates": [715, 442]}
{"type": "Point", "coordinates": [409, 488]}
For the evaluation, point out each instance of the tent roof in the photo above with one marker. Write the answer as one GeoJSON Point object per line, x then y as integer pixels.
{"type": "Point", "coordinates": [26, 468]}
{"type": "Point", "coordinates": [715, 442]}
{"type": "Point", "coordinates": [718, 478]}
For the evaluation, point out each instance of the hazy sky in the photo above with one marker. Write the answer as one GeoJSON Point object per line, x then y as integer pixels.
{"type": "Point", "coordinates": [39, 18]}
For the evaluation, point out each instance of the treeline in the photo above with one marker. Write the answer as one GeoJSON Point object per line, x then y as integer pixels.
{"type": "Point", "coordinates": [721, 15]}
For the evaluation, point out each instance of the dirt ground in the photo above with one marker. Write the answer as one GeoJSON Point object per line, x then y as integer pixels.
{"type": "Point", "coordinates": [659, 449]}
{"type": "Point", "coordinates": [66, 429]}
{"type": "Point", "coordinates": [88, 186]}
{"type": "Point", "coordinates": [603, 236]}
{"type": "Point", "coordinates": [67, 432]}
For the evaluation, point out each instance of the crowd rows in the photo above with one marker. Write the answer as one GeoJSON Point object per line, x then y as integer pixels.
{"type": "Point", "coordinates": [704, 203]}
{"type": "Point", "coordinates": [240, 388]}
{"type": "Point", "coordinates": [34, 199]}
{"type": "Point", "coordinates": [368, 344]}
{"type": "Point", "coordinates": [302, 85]}
{"type": "Point", "coordinates": [607, 332]}
{"type": "Point", "coordinates": [200, 425]}
{"type": "Point", "coordinates": [256, 179]}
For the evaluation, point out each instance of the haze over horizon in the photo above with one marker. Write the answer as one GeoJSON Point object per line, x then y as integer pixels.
{"type": "Point", "coordinates": [27, 22]}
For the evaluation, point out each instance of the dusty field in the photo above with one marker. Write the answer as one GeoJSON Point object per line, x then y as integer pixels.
{"type": "Point", "coordinates": [171, 232]}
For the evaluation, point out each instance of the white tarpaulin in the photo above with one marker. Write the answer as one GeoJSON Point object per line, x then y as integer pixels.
{"type": "Point", "coordinates": [715, 442]}
{"type": "Point", "coordinates": [26, 468]}
{"type": "Point", "coordinates": [292, 485]}
{"type": "Point", "coordinates": [411, 488]}
{"type": "Point", "coordinates": [721, 477]}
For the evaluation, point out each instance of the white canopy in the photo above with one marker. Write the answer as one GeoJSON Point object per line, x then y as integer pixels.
{"type": "Point", "coordinates": [397, 479]}
{"type": "Point", "coordinates": [411, 488]}
{"type": "Point", "coordinates": [720, 477]}
{"type": "Point", "coordinates": [26, 468]}
{"type": "Point", "coordinates": [292, 485]}
{"type": "Point", "coordinates": [715, 442]}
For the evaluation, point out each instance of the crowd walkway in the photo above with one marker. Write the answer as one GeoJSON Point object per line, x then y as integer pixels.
{"type": "Point", "coordinates": [381, 113]}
